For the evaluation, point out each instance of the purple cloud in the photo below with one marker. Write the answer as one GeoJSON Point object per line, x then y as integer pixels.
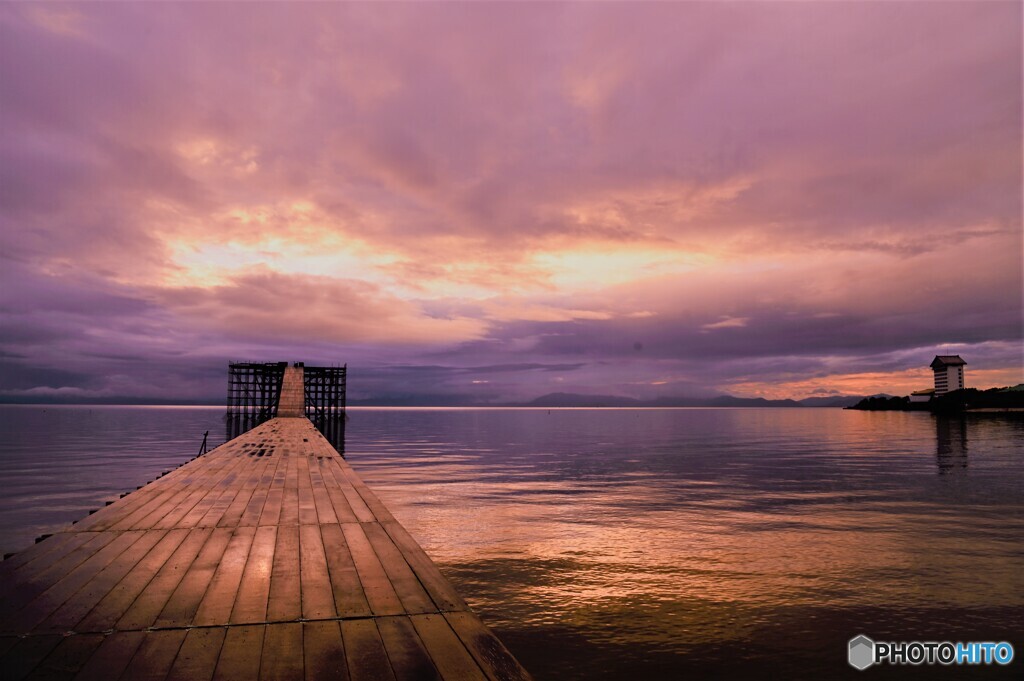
{"type": "Point", "coordinates": [632, 199]}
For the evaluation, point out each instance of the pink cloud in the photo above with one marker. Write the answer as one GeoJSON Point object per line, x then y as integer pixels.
{"type": "Point", "coordinates": [518, 180]}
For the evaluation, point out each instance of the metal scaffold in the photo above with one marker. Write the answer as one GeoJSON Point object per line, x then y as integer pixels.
{"type": "Point", "coordinates": [325, 402]}
{"type": "Point", "coordinates": [254, 389]}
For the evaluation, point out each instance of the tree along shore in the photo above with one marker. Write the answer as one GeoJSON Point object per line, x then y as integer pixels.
{"type": "Point", "coordinates": [955, 402]}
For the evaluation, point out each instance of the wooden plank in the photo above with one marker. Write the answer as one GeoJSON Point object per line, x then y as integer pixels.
{"type": "Point", "coordinates": [184, 513]}
{"type": "Point", "coordinates": [154, 657]}
{"type": "Point", "coordinates": [155, 498]}
{"type": "Point", "coordinates": [355, 502]}
{"type": "Point", "coordinates": [6, 643]}
{"type": "Point", "coordinates": [440, 589]}
{"type": "Point", "coordinates": [324, 652]}
{"type": "Point", "coordinates": [230, 489]}
{"type": "Point", "coordinates": [160, 494]}
{"type": "Point", "coordinates": [110, 660]}
{"type": "Point", "coordinates": [184, 602]}
{"type": "Point", "coordinates": [307, 505]}
{"type": "Point", "coordinates": [173, 513]}
{"type": "Point", "coordinates": [339, 501]}
{"type": "Point", "coordinates": [88, 597]}
{"type": "Point", "coordinates": [282, 658]}
{"type": "Point", "coordinates": [450, 656]}
{"type": "Point", "coordinates": [171, 484]}
{"type": "Point", "coordinates": [272, 508]}
{"type": "Point", "coordinates": [20, 577]}
{"type": "Point", "coordinates": [64, 588]}
{"type": "Point", "coordinates": [410, 592]}
{"type": "Point", "coordinates": [290, 496]}
{"type": "Point", "coordinates": [241, 653]}
{"type": "Point", "coordinates": [68, 657]}
{"type": "Point", "coordinates": [103, 518]}
{"type": "Point", "coordinates": [349, 599]}
{"type": "Point", "coordinates": [324, 509]}
{"type": "Point", "coordinates": [409, 658]}
{"type": "Point", "coordinates": [263, 569]}
{"type": "Point", "coordinates": [158, 497]}
{"type": "Point", "coordinates": [254, 589]}
{"type": "Point", "coordinates": [219, 599]}
{"type": "Point", "coordinates": [26, 654]}
{"type": "Point", "coordinates": [364, 652]}
{"type": "Point", "coordinates": [49, 549]}
{"type": "Point", "coordinates": [379, 510]}
{"type": "Point", "coordinates": [113, 605]}
{"type": "Point", "coordinates": [144, 611]}
{"type": "Point", "coordinates": [250, 475]}
{"type": "Point", "coordinates": [253, 510]}
{"type": "Point", "coordinates": [292, 401]}
{"type": "Point", "coordinates": [195, 515]}
{"type": "Point", "coordinates": [241, 501]}
{"type": "Point", "coordinates": [488, 651]}
{"type": "Point", "coordinates": [376, 586]}
{"type": "Point", "coordinates": [285, 602]}
{"type": "Point", "coordinates": [317, 595]}
{"type": "Point", "coordinates": [31, 584]}
{"type": "Point", "coordinates": [198, 655]}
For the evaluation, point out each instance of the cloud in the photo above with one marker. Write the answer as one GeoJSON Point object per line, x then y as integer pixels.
{"type": "Point", "coordinates": [263, 304]}
{"type": "Point", "coordinates": [666, 195]}
{"type": "Point", "coordinates": [726, 323]}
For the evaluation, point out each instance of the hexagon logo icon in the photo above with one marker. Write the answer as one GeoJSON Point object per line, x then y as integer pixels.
{"type": "Point", "coordinates": [861, 652]}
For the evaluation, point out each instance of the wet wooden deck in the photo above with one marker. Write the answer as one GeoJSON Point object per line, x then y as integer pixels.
{"type": "Point", "coordinates": [266, 558]}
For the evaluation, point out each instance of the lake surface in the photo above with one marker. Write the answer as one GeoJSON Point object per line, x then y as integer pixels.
{"type": "Point", "coordinates": [640, 544]}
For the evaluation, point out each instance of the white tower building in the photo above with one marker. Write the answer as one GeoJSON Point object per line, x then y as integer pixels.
{"type": "Point", "coordinates": [949, 373]}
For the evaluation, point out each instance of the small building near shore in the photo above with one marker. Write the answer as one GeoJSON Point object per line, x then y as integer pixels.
{"type": "Point", "coordinates": [949, 373]}
{"type": "Point", "coordinates": [922, 395]}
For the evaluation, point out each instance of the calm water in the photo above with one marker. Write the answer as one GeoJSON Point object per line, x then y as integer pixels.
{"type": "Point", "coordinates": [641, 544]}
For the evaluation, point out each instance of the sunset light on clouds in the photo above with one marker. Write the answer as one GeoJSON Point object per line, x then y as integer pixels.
{"type": "Point", "coordinates": [484, 203]}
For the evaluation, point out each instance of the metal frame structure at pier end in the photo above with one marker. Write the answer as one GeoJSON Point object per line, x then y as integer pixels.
{"type": "Point", "coordinates": [254, 389]}
{"type": "Point", "coordinates": [325, 401]}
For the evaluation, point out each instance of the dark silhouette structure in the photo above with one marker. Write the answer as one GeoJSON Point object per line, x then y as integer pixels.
{"type": "Point", "coordinates": [254, 395]}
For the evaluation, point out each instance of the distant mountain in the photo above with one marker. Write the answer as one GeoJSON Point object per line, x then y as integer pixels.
{"type": "Point", "coordinates": [832, 401]}
{"type": "Point", "coordinates": [557, 400]}
{"type": "Point", "coordinates": [422, 400]}
{"type": "Point", "coordinates": [549, 401]}
{"type": "Point", "coordinates": [126, 401]}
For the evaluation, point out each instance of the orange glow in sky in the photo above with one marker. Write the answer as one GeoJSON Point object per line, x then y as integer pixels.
{"type": "Point", "coordinates": [742, 199]}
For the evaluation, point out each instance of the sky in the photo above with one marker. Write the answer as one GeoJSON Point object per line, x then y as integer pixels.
{"type": "Point", "coordinates": [484, 203]}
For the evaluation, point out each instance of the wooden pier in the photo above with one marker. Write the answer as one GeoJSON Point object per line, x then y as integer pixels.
{"type": "Point", "coordinates": [267, 558]}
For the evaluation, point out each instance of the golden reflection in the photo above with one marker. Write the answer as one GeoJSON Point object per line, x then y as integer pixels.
{"type": "Point", "coordinates": [951, 443]}
{"type": "Point", "coordinates": [686, 561]}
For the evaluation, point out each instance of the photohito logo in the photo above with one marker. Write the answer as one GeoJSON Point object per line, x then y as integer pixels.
{"type": "Point", "coordinates": [863, 652]}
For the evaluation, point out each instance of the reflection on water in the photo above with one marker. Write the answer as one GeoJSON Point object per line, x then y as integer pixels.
{"type": "Point", "coordinates": [641, 544]}
{"type": "Point", "coordinates": [239, 424]}
{"type": "Point", "coordinates": [951, 443]}
{"type": "Point", "coordinates": [332, 427]}
{"type": "Point", "coordinates": [59, 462]}
{"type": "Point", "coordinates": [658, 543]}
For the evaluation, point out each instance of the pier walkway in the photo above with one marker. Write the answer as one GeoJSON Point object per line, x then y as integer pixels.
{"type": "Point", "coordinates": [267, 558]}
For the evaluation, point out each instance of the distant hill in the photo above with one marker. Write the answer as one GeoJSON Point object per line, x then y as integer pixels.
{"type": "Point", "coordinates": [549, 401]}
{"type": "Point", "coordinates": [558, 400]}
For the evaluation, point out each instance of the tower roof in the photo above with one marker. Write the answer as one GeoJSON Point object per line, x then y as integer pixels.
{"type": "Point", "coordinates": [943, 361]}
